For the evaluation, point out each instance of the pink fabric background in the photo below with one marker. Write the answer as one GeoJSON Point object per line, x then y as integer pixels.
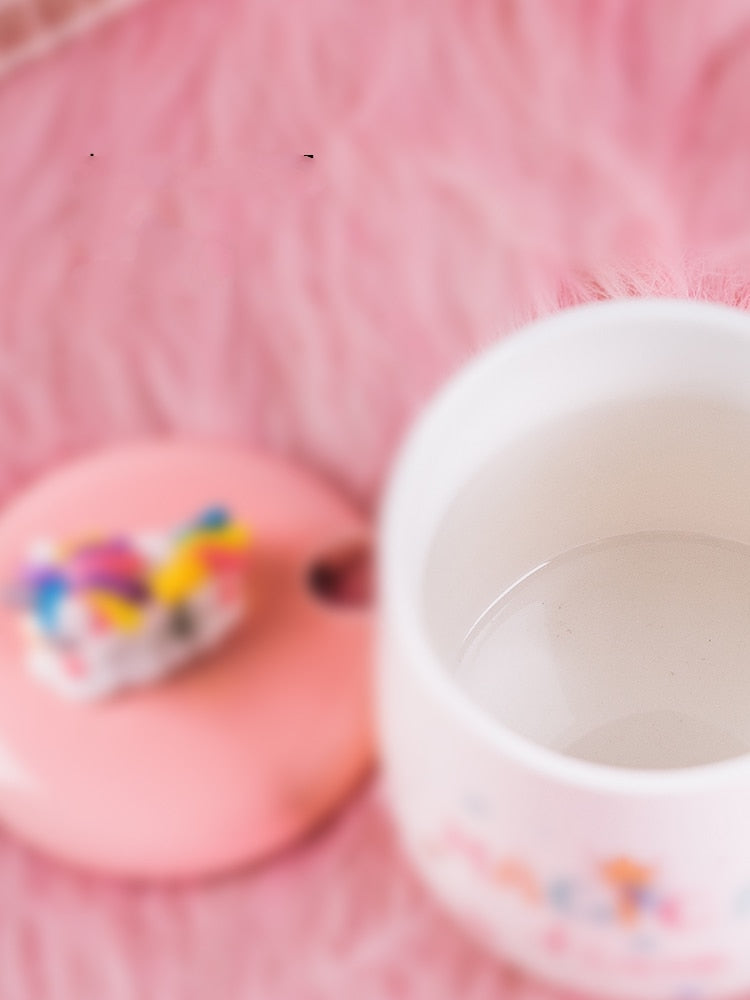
{"type": "Point", "coordinates": [477, 162]}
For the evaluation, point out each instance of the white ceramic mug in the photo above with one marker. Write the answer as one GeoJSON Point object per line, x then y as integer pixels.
{"type": "Point", "coordinates": [612, 880]}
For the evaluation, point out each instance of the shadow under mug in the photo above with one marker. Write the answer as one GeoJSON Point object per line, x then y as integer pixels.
{"type": "Point", "coordinates": [613, 880]}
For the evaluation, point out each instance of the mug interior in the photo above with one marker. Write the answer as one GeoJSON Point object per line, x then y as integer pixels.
{"type": "Point", "coordinates": [612, 422]}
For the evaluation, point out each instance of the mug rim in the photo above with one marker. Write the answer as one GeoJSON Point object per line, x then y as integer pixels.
{"type": "Point", "coordinates": [398, 600]}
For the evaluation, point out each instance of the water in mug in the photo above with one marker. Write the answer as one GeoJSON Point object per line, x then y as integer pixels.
{"type": "Point", "coordinates": [630, 647]}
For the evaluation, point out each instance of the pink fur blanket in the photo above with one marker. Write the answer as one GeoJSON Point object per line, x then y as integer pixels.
{"type": "Point", "coordinates": [169, 259]}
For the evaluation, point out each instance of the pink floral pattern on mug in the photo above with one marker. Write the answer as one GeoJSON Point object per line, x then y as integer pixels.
{"type": "Point", "coordinates": [620, 890]}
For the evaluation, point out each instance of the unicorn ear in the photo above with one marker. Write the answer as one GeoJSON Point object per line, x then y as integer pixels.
{"type": "Point", "coordinates": [154, 547]}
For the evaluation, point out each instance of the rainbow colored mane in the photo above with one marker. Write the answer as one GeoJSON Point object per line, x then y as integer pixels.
{"type": "Point", "coordinates": [111, 612]}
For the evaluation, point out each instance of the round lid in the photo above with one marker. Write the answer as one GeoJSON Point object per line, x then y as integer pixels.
{"type": "Point", "coordinates": [238, 753]}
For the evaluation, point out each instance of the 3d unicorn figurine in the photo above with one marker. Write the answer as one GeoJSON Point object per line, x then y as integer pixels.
{"type": "Point", "coordinates": [103, 615]}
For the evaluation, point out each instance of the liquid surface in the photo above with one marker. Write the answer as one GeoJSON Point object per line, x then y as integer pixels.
{"type": "Point", "coordinates": [632, 652]}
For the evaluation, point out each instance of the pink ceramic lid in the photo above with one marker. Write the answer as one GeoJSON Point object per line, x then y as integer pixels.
{"type": "Point", "coordinates": [233, 757]}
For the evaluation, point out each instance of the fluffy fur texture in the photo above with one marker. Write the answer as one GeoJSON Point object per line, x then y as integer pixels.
{"type": "Point", "coordinates": [476, 163]}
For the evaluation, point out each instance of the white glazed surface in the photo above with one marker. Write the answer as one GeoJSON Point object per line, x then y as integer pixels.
{"type": "Point", "coordinates": [526, 845]}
